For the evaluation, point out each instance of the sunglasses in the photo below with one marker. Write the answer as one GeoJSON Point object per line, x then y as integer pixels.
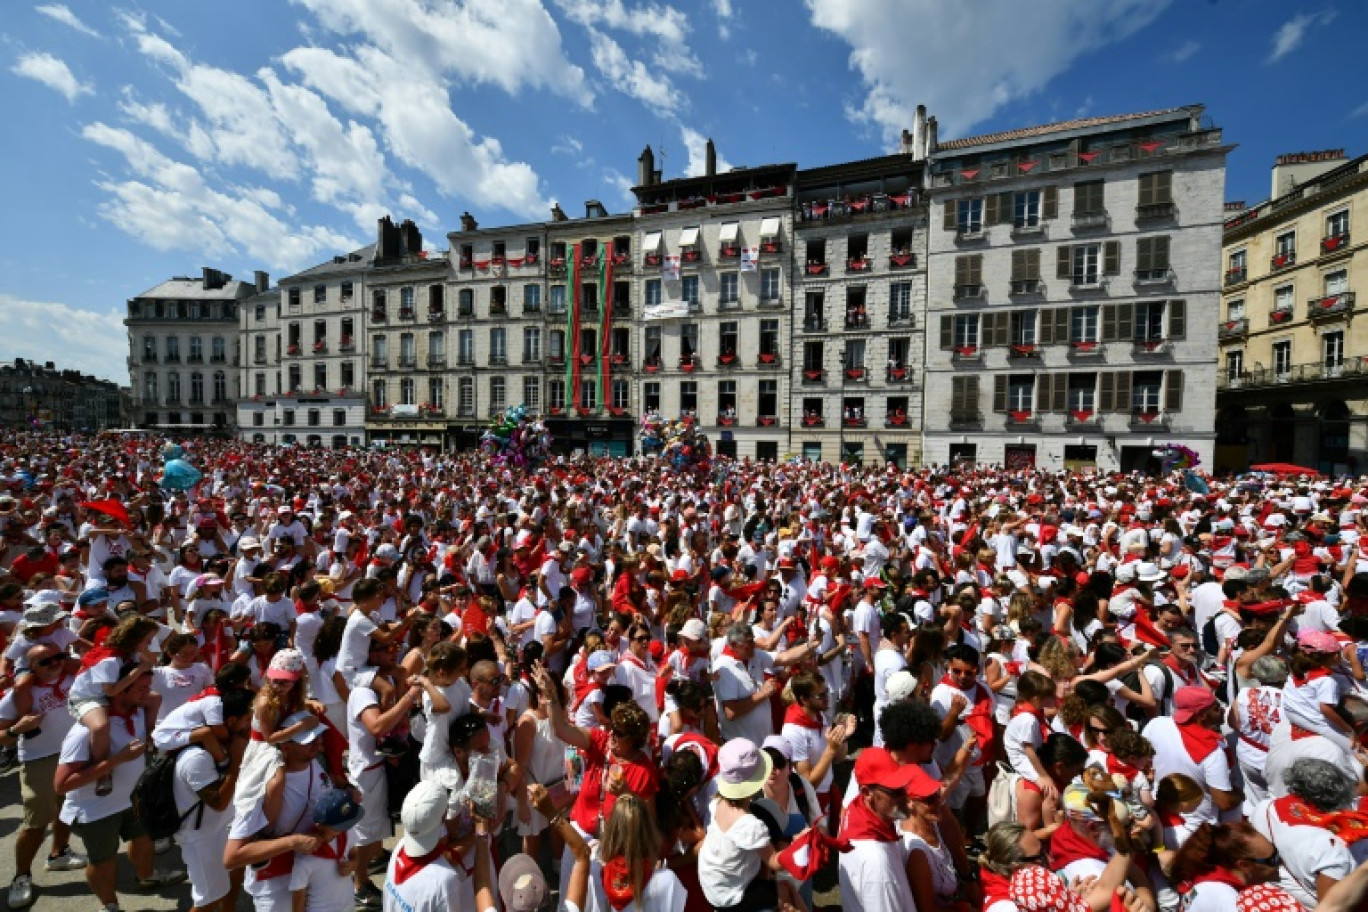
{"type": "Point", "coordinates": [50, 661]}
{"type": "Point", "coordinates": [1272, 860]}
{"type": "Point", "coordinates": [1099, 731]}
{"type": "Point", "coordinates": [644, 639]}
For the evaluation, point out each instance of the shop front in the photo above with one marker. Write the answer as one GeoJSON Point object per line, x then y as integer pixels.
{"type": "Point", "coordinates": [596, 437]}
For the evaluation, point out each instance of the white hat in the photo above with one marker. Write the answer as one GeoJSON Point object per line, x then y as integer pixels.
{"type": "Point", "coordinates": [1126, 573]}
{"type": "Point", "coordinates": [306, 735]}
{"type": "Point", "coordinates": [387, 552]}
{"type": "Point", "coordinates": [901, 686]}
{"type": "Point", "coordinates": [1149, 573]}
{"type": "Point", "coordinates": [424, 818]}
{"type": "Point", "coordinates": [694, 629]}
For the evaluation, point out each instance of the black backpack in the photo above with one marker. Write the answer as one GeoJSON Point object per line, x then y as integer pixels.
{"type": "Point", "coordinates": [1211, 641]}
{"type": "Point", "coordinates": [154, 799]}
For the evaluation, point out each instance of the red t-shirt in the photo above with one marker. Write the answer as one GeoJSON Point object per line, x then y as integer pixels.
{"type": "Point", "coordinates": [595, 801]}
{"type": "Point", "coordinates": [25, 568]}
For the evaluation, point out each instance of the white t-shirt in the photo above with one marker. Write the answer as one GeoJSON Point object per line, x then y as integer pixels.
{"type": "Point", "coordinates": [49, 703]}
{"type": "Point", "coordinates": [806, 745]}
{"type": "Point", "coordinates": [1022, 729]}
{"type": "Point", "coordinates": [866, 620]}
{"type": "Point", "coordinates": [279, 612]}
{"type": "Point", "coordinates": [195, 771]}
{"type": "Point", "coordinates": [1170, 756]}
{"type": "Point", "coordinates": [307, 626]}
{"type": "Point", "coordinates": [437, 887]}
{"type": "Point", "coordinates": [89, 684]}
{"type": "Point", "coordinates": [436, 744]}
{"type": "Point", "coordinates": [355, 648]}
{"type": "Point", "coordinates": [664, 892]}
{"type": "Point", "coordinates": [361, 754]}
{"type": "Point", "coordinates": [326, 889]}
{"type": "Point", "coordinates": [1306, 852]}
{"type": "Point", "coordinates": [873, 877]}
{"type": "Point", "coordinates": [728, 861]}
{"type": "Point", "coordinates": [177, 685]}
{"type": "Point", "coordinates": [82, 805]}
{"type": "Point", "coordinates": [1210, 896]}
{"type": "Point", "coordinates": [887, 662]}
{"type": "Point", "coordinates": [735, 681]}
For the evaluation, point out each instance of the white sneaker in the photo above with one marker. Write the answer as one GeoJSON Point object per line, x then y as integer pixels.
{"type": "Point", "coordinates": [21, 893]}
{"type": "Point", "coordinates": [67, 861]}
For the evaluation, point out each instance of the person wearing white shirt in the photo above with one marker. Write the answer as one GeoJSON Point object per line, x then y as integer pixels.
{"type": "Point", "coordinates": [743, 685]}
{"type": "Point", "coordinates": [873, 874]}
{"type": "Point", "coordinates": [1302, 826]}
{"type": "Point", "coordinates": [889, 659]}
{"type": "Point", "coordinates": [1190, 742]}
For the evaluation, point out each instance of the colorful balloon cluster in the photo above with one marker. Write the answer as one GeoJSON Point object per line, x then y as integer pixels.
{"type": "Point", "coordinates": [678, 442]}
{"type": "Point", "coordinates": [177, 473]}
{"type": "Point", "coordinates": [1176, 456]}
{"type": "Point", "coordinates": [652, 435]}
{"type": "Point", "coordinates": [514, 438]}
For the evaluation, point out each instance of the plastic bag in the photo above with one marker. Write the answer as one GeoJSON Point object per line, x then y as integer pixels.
{"type": "Point", "coordinates": [482, 785]}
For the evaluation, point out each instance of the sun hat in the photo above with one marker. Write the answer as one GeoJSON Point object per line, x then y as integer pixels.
{"type": "Point", "coordinates": [1317, 641]}
{"type": "Point", "coordinates": [522, 886]}
{"type": "Point", "coordinates": [1149, 573]}
{"type": "Point", "coordinates": [286, 665]}
{"type": "Point", "coordinates": [1190, 702]}
{"type": "Point", "coordinates": [742, 769]}
{"type": "Point", "coordinates": [337, 811]}
{"type": "Point", "coordinates": [780, 744]}
{"type": "Point", "coordinates": [387, 552]}
{"type": "Point", "coordinates": [901, 686]}
{"type": "Point", "coordinates": [424, 818]}
{"type": "Point", "coordinates": [601, 659]}
{"type": "Point", "coordinates": [43, 597]}
{"type": "Point", "coordinates": [43, 614]}
{"type": "Point", "coordinates": [694, 629]}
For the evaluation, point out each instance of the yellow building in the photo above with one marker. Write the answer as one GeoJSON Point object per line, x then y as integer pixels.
{"type": "Point", "coordinates": [1293, 381]}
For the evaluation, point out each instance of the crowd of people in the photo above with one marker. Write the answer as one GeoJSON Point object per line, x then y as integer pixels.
{"type": "Point", "coordinates": [605, 684]}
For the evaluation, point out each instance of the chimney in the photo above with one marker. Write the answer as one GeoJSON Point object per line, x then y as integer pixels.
{"type": "Point", "coordinates": [468, 222]}
{"type": "Point", "coordinates": [411, 238]}
{"type": "Point", "coordinates": [558, 214]}
{"type": "Point", "coordinates": [212, 278]}
{"type": "Point", "coordinates": [263, 281]}
{"type": "Point", "coordinates": [656, 176]}
{"type": "Point", "coordinates": [919, 134]}
{"type": "Point", "coordinates": [645, 167]}
{"type": "Point", "coordinates": [906, 145]}
{"type": "Point", "coordinates": [710, 159]}
{"type": "Point", "coordinates": [932, 144]}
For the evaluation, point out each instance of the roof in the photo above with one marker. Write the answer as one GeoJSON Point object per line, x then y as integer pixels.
{"type": "Point", "coordinates": [1082, 123]}
{"type": "Point", "coordinates": [356, 261]}
{"type": "Point", "coordinates": [183, 289]}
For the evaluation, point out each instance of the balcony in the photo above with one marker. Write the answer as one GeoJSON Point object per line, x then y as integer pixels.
{"type": "Point", "coordinates": [622, 308]}
{"type": "Point", "coordinates": [1152, 211]}
{"type": "Point", "coordinates": [1026, 287]}
{"type": "Point", "coordinates": [498, 359]}
{"type": "Point", "coordinates": [767, 361]}
{"type": "Point", "coordinates": [813, 375]}
{"type": "Point", "coordinates": [968, 293]}
{"type": "Point", "coordinates": [729, 304]}
{"type": "Point", "coordinates": [408, 313]}
{"type": "Point", "coordinates": [766, 421]}
{"type": "Point", "coordinates": [969, 234]}
{"type": "Point", "coordinates": [902, 261]}
{"type": "Point", "coordinates": [320, 347]}
{"type": "Point", "coordinates": [813, 269]}
{"type": "Point", "coordinates": [896, 419]}
{"type": "Point", "coordinates": [967, 354]}
{"type": "Point", "coordinates": [857, 321]}
{"type": "Point", "coordinates": [650, 365]}
{"type": "Point", "coordinates": [1335, 243]}
{"type": "Point", "coordinates": [589, 261]}
{"type": "Point", "coordinates": [431, 410]}
{"type": "Point", "coordinates": [218, 359]}
{"type": "Point", "coordinates": [617, 411]}
{"type": "Point", "coordinates": [1023, 350]}
{"type": "Point", "coordinates": [855, 374]}
{"type": "Point", "coordinates": [173, 358]}
{"type": "Point", "coordinates": [813, 420]}
{"type": "Point", "coordinates": [729, 252]}
{"type": "Point", "coordinates": [1315, 372]}
{"type": "Point", "coordinates": [378, 315]}
{"type": "Point", "coordinates": [771, 301]}
{"type": "Point", "coordinates": [436, 314]}
{"type": "Point", "coordinates": [1330, 306]}
{"type": "Point", "coordinates": [689, 363]}
{"type": "Point", "coordinates": [256, 359]}
{"type": "Point", "coordinates": [875, 204]}
{"type": "Point", "coordinates": [1022, 418]}
{"type": "Point", "coordinates": [1142, 418]}
{"type": "Point", "coordinates": [854, 421]}
{"type": "Point", "coordinates": [530, 307]}
{"type": "Point", "coordinates": [1233, 329]}
{"type": "Point", "coordinates": [379, 363]}
{"type": "Point", "coordinates": [727, 418]}
{"type": "Point", "coordinates": [1236, 276]}
{"type": "Point", "coordinates": [897, 374]}
{"type": "Point", "coordinates": [1085, 349]}
{"type": "Point", "coordinates": [1027, 227]}
{"type": "Point", "coordinates": [1280, 316]}
{"type": "Point", "coordinates": [497, 309]}
{"type": "Point", "coordinates": [622, 261]}
{"type": "Point", "coordinates": [728, 360]}
{"type": "Point", "coordinates": [436, 361]}
{"type": "Point", "coordinates": [465, 263]}
{"type": "Point", "coordinates": [617, 359]}
{"type": "Point", "coordinates": [814, 324]}
{"type": "Point", "coordinates": [558, 360]}
{"type": "Point", "coordinates": [965, 418]}
{"type": "Point", "coordinates": [1090, 221]}
{"type": "Point", "coordinates": [651, 259]}
{"type": "Point", "coordinates": [1080, 419]}
{"type": "Point", "coordinates": [1154, 276]}
{"type": "Point", "coordinates": [555, 268]}
{"type": "Point", "coordinates": [194, 359]}
{"type": "Point", "coordinates": [408, 362]}
{"type": "Point", "coordinates": [858, 264]}
{"type": "Point", "coordinates": [1282, 260]}
{"type": "Point", "coordinates": [291, 351]}
{"type": "Point", "coordinates": [770, 246]}
{"type": "Point", "coordinates": [1144, 347]}
{"type": "Point", "coordinates": [901, 318]}
{"type": "Point", "coordinates": [151, 358]}
{"type": "Point", "coordinates": [691, 255]}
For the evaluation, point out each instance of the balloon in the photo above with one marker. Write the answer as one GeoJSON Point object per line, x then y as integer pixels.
{"type": "Point", "coordinates": [179, 475]}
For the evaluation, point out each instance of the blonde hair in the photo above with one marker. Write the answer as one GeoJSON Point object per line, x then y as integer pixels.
{"type": "Point", "coordinates": [1057, 658]}
{"type": "Point", "coordinates": [630, 833]}
{"type": "Point", "coordinates": [1176, 790]}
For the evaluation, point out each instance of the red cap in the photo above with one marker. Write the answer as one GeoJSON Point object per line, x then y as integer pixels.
{"type": "Point", "coordinates": [873, 582]}
{"type": "Point", "coordinates": [830, 562]}
{"type": "Point", "coordinates": [876, 766]}
{"type": "Point", "coordinates": [678, 576]}
{"type": "Point", "coordinates": [786, 563]}
{"type": "Point", "coordinates": [1179, 572]}
{"type": "Point", "coordinates": [1190, 701]}
{"type": "Point", "coordinates": [1082, 578]}
{"type": "Point", "coordinates": [581, 575]}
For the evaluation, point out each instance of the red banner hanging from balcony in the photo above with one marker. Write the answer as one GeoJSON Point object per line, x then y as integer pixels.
{"type": "Point", "coordinates": [1088, 157]}
{"type": "Point", "coordinates": [1149, 146]}
{"type": "Point", "coordinates": [969, 173]}
{"type": "Point", "coordinates": [1025, 167]}
{"type": "Point", "coordinates": [1329, 302]}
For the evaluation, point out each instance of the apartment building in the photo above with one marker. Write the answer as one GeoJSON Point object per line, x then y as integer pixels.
{"type": "Point", "coordinates": [184, 354]}
{"type": "Point", "coordinates": [1291, 386]}
{"type": "Point", "coordinates": [34, 395]}
{"type": "Point", "coordinates": [1073, 291]}
{"type": "Point", "coordinates": [716, 269]}
{"type": "Point", "coordinates": [860, 312]}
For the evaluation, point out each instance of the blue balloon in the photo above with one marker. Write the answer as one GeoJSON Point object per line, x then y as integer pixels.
{"type": "Point", "coordinates": [179, 475]}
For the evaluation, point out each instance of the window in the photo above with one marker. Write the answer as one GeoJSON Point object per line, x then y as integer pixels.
{"type": "Point", "coordinates": [258, 419]}
{"type": "Point", "coordinates": [1146, 388]}
{"type": "Point", "coordinates": [531, 298]}
{"type": "Point", "coordinates": [769, 338]}
{"type": "Point", "coordinates": [498, 345]}
{"type": "Point", "coordinates": [498, 300]}
{"type": "Point", "coordinates": [555, 345]}
{"type": "Point", "coordinates": [689, 290]}
{"type": "Point", "coordinates": [966, 332]}
{"type": "Point", "coordinates": [339, 417]}
{"type": "Point", "coordinates": [217, 350]}
{"type": "Point", "coordinates": [621, 343]}
{"type": "Point", "coordinates": [1336, 283]}
{"type": "Point", "coordinates": [465, 346]}
{"type": "Point", "coordinates": [650, 396]}
{"type": "Point", "coordinates": [378, 304]}
{"type": "Point", "coordinates": [969, 216]}
{"type": "Point", "coordinates": [812, 310]}
{"type": "Point", "coordinates": [320, 376]}
{"type": "Point", "coordinates": [1083, 393]}
{"type": "Point", "coordinates": [1083, 324]}
{"type": "Point", "coordinates": [653, 336]}
{"type": "Point", "coordinates": [220, 387]}
{"type": "Point", "coordinates": [1238, 260]}
{"type": "Point", "coordinates": [260, 387]}
{"type": "Point", "coordinates": [320, 334]}
{"type": "Point", "coordinates": [1282, 358]}
{"type": "Point", "coordinates": [408, 356]}
{"type": "Point", "coordinates": [531, 396]}
{"type": "Point", "coordinates": [408, 392]}
{"type": "Point", "coordinates": [1020, 393]}
{"type": "Point", "coordinates": [556, 303]}
{"type": "Point", "coordinates": [1086, 266]}
{"type": "Point", "coordinates": [813, 355]}
{"type": "Point", "coordinates": [1332, 350]}
{"type": "Point", "coordinates": [150, 347]}
{"type": "Point", "coordinates": [320, 294]}
{"type": "Point", "coordinates": [898, 350]}
{"type": "Point", "coordinates": [688, 339]}
{"type": "Point", "coordinates": [900, 301]}
{"type": "Point", "coordinates": [652, 292]}
{"type": "Point", "coordinates": [1282, 299]}
{"type": "Point", "coordinates": [498, 394]}
{"type": "Point", "coordinates": [465, 302]}
{"type": "Point", "coordinates": [531, 344]}
{"type": "Point", "coordinates": [964, 398]}
{"type": "Point", "coordinates": [348, 333]}
{"type": "Point", "coordinates": [812, 452]}
{"type": "Point", "coordinates": [1235, 310]}
{"type": "Point", "coordinates": [436, 300]}
{"type": "Point", "coordinates": [589, 343]}
{"type": "Point", "coordinates": [726, 398]}
{"type": "Point", "coordinates": [287, 417]}
{"type": "Point", "coordinates": [1026, 209]}
{"type": "Point", "coordinates": [854, 356]}
{"type": "Point", "coordinates": [588, 395]}
{"type": "Point", "coordinates": [172, 348]}
{"type": "Point", "coordinates": [436, 353]}
{"type": "Point", "coordinates": [1285, 248]}
{"type": "Point", "coordinates": [465, 396]}
{"type": "Point", "coordinates": [314, 417]}
{"type": "Point", "coordinates": [296, 378]}
{"type": "Point", "coordinates": [196, 348]}
{"type": "Point", "coordinates": [769, 284]}
{"type": "Point", "coordinates": [292, 297]}
{"type": "Point", "coordinates": [348, 375]}
{"type": "Point", "coordinates": [688, 396]}
{"type": "Point", "coordinates": [1337, 224]}
{"type": "Point", "coordinates": [173, 389]}
{"type": "Point", "coordinates": [1023, 327]}
{"type": "Point", "coordinates": [968, 276]}
{"type": "Point", "coordinates": [1234, 365]}
{"type": "Point", "coordinates": [150, 388]}
{"type": "Point", "coordinates": [816, 252]}
{"type": "Point", "coordinates": [621, 395]}
{"type": "Point", "coordinates": [1156, 190]}
{"type": "Point", "coordinates": [728, 340]}
{"type": "Point", "coordinates": [1152, 258]}
{"type": "Point", "coordinates": [1088, 199]}
{"type": "Point", "coordinates": [729, 291]}
{"type": "Point", "coordinates": [260, 313]}
{"type": "Point", "coordinates": [379, 394]}
{"type": "Point", "coordinates": [1149, 321]}
{"type": "Point", "coordinates": [406, 297]}
{"type": "Point", "coordinates": [346, 291]}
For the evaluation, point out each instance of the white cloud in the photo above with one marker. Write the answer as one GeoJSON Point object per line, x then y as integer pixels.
{"type": "Point", "coordinates": [621, 185]}
{"type": "Point", "coordinates": [53, 73]}
{"type": "Point", "coordinates": [959, 88]}
{"type": "Point", "coordinates": [632, 77]}
{"type": "Point", "coordinates": [1292, 33]}
{"type": "Point", "coordinates": [668, 26]}
{"type": "Point", "coordinates": [723, 9]}
{"type": "Point", "coordinates": [696, 144]}
{"type": "Point", "coordinates": [1184, 51]}
{"type": "Point", "coordinates": [60, 13]}
{"type": "Point", "coordinates": [71, 338]}
{"type": "Point", "coordinates": [1360, 111]}
{"type": "Point", "coordinates": [568, 145]}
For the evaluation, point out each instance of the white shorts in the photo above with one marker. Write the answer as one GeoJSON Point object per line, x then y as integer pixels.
{"type": "Point", "coordinates": [203, 857]}
{"type": "Point", "coordinates": [970, 785]}
{"type": "Point", "coordinates": [375, 825]}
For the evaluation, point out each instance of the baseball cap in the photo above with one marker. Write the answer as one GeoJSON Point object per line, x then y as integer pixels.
{"type": "Point", "coordinates": [387, 552]}
{"type": "Point", "coordinates": [873, 582]}
{"type": "Point", "coordinates": [248, 543]}
{"type": "Point", "coordinates": [1311, 641]}
{"type": "Point", "coordinates": [306, 735]}
{"type": "Point", "coordinates": [284, 510]}
{"type": "Point", "coordinates": [901, 686]}
{"type": "Point", "coordinates": [424, 818]}
{"type": "Point", "coordinates": [876, 766]}
{"type": "Point", "coordinates": [694, 629]}
{"type": "Point", "coordinates": [337, 811]}
{"type": "Point", "coordinates": [600, 660]}
{"type": "Point", "coordinates": [522, 886]}
{"type": "Point", "coordinates": [93, 596]}
{"type": "Point", "coordinates": [1190, 701]}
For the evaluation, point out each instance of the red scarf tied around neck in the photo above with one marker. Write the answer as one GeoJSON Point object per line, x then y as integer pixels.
{"type": "Point", "coordinates": [861, 822]}
{"type": "Point", "coordinates": [1025, 709]}
{"type": "Point", "coordinates": [796, 715]}
{"type": "Point", "coordinates": [1350, 826]}
{"type": "Point", "coordinates": [978, 715]}
{"type": "Point", "coordinates": [617, 883]}
{"type": "Point", "coordinates": [1066, 847]}
{"type": "Point", "coordinates": [1201, 742]}
{"type": "Point", "coordinates": [406, 866]}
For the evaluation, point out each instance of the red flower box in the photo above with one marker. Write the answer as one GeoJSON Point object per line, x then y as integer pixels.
{"type": "Point", "coordinates": [554, 411]}
{"type": "Point", "coordinates": [855, 373]}
{"type": "Point", "coordinates": [1084, 346]}
{"type": "Point", "coordinates": [812, 374]}
{"type": "Point", "coordinates": [320, 346]}
{"type": "Point", "coordinates": [652, 259]}
{"type": "Point", "coordinates": [769, 247]}
{"type": "Point", "coordinates": [727, 358]}
{"type": "Point", "coordinates": [859, 265]}
{"type": "Point", "coordinates": [1081, 415]}
{"type": "Point", "coordinates": [1025, 350]}
{"type": "Point", "coordinates": [731, 252]}
{"type": "Point", "coordinates": [650, 368]}
{"type": "Point", "coordinates": [1147, 417]}
{"type": "Point", "coordinates": [900, 259]}
{"type": "Point", "coordinates": [816, 269]}
{"type": "Point", "coordinates": [898, 373]}
{"type": "Point", "coordinates": [967, 351]}
{"type": "Point", "coordinates": [620, 259]}
{"type": "Point", "coordinates": [530, 259]}
{"type": "Point", "coordinates": [812, 421]}
{"type": "Point", "coordinates": [619, 359]}
{"type": "Point", "coordinates": [689, 256]}
{"type": "Point", "coordinates": [726, 422]}
{"type": "Point", "coordinates": [1019, 416]}
{"type": "Point", "coordinates": [466, 263]}
{"type": "Point", "coordinates": [687, 367]}
{"type": "Point", "coordinates": [897, 420]}
{"type": "Point", "coordinates": [767, 357]}
{"type": "Point", "coordinates": [1334, 242]}
{"type": "Point", "coordinates": [617, 412]}
{"type": "Point", "coordinates": [292, 350]}
{"type": "Point", "coordinates": [766, 421]}
{"type": "Point", "coordinates": [1280, 316]}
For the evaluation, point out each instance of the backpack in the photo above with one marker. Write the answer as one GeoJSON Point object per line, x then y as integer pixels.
{"type": "Point", "coordinates": [1002, 803]}
{"type": "Point", "coordinates": [1211, 640]}
{"type": "Point", "coordinates": [154, 799]}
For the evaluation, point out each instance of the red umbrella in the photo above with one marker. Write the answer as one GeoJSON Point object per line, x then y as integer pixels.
{"type": "Point", "coordinates": [1283, 468]}
{"type": "Point", "coordinates": [111, 508]}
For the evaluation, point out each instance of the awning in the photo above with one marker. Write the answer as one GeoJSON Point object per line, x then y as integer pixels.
{"type": "Point", "coordinates": [729, 230]}
{"type": "Point", "coordinates": [652, 243]}
{"type": "Point", "coordinates": [688, 237]}
{"type": "Point", "coordinates": [769, 227]}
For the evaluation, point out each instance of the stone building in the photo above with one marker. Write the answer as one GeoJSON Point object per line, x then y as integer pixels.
{"type": "Point", "coordinates": [184, 355]}
{"type": "Point", "coordinates": [1291, 386]}
{"type": "Point", "coordinates": [34, 395]}
{"type": "Point", "coordinates": [1073, 290]}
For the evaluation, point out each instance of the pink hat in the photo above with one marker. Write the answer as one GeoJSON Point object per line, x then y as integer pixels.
{"type": "Point", "coordinates": [1317, 641]}
{"type": "Point", "coordinates": [286, 665]}
{"type": "Point", "coordinates": [1191, 701]}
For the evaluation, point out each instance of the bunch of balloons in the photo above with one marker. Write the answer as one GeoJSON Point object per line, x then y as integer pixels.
{"type": "Point", "coordinates": [686, 449]}
{"type": "Point", "coordinates": [516, 439]}
{"type": "Point", "coordinates": [1176, 456]}
{"type": "Point", "coordinates": [652, 435]}
{"type": "Point", "coordinates": [177, 473]}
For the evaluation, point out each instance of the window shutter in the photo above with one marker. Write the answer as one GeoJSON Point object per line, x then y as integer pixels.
{"type": "Point", "coordinates": [1177, 319]}
{"type": "Point", "coordinates": [1061, 316]}
{"type": "Point", "coordinates": [991, 209]}
{"type": "Point", "coordinates": [951, 215]}
{"type": "Point", "coordinates": [1063, 262]}
{"type": "Point", "coordinates": [961, 270]}
{"type": "Point", "coordinates": [1000, 393]}
{"type": "Point", "coordinates": [1144, 254]}
{"type": "Point", "coordinates": [1173, 391]}
{"type": "Point", "coordinates": [1006, 208]}
{"type": "Point", "coordinates": [1032, 264]}
{"type": "Point", "coordinates": [1019, 265]}
{"type": "Point", "coordinates": [1163, 187]}
{"type": "Point", "coordinates": [1161, 252]}
{"type": "Point", "coordinates": [1123, 391]}
{"type": "Point", "coordinates": [976, 269]}
{"type": "Point", "coordinates": [1106, 393]}
{"type": "Point", "coordinates": [1125, 322]}
{"type": "Point", "coordinates": [1045, 322]}
{"type": "Point", "coordinates": [1042, 393]}
{"type": "Point", "coordinates": [1059, 401]}
{"type": "Point", "coordinates": [1108, 322]}
{"type": "Point", "coordinates": [1147, 189]}
{"type": "Point", "coordinates": [971, 394]}
{"type": "Point", "coordinates": [957, 395]}
{"type": "Point", "coordinates": [1002, 330]}
{"type": "Point", "coordinates": [1049, 205]}
{"type": "Point", "coordinates": [947, 331]}
{"type": "Point", "coordinates": [1112, 258]}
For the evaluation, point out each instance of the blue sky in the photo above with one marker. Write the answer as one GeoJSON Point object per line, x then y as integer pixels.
{"type": "Point", "coordinates": [150, 139]}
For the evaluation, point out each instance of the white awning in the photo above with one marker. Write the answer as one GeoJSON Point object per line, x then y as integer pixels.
{"type": "Point", "coordinates": [729, 230]}
{"type": "Point", "coordinates": [652, 243]}
{"type": "Point", "coordinates": [769, 227]}
{"type": "Point", "coordinates": [688, 237]}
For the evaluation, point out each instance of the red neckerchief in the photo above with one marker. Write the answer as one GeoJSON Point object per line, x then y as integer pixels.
{"type": "Point", "coordinates": [1350, 826]}
{"type": "Point", "coordinates": [1120, 766]}
{"type": "Point", "coordinates": [56, 687]}
{"type": "Point", "coordinates": [979, 717]}
{"type": "Point", "coordinates": [210, 691]}
{"type": "Point", "coordinates": [630, 658]}
{"type": "Point", "coordinates": [862, 823]}
{"type": "Point", "coordinates": [996, 888]}
{"type": "Point", "coordinates": [1066, 847]}
{"type": "Point", "coordinates": [1146, 631]}
{"type": "Point", "coordinates": [727, 651]}
{"type": "Point", "coordinates": [1171, 818]}
{"type": "Point", "coordinates": [127, 719]}
{"type": "Point", "coordinates": [97, 655]}
{"type": "Point", "coordinates": [1312, 675]}
{"type": "Point", "coordinates": [334, 850]}
{"type": "Point", "coordinates": [405, 867]}
{"type": "Point", "coordinates": [1200, 742]}
{"type": "Point", "coordinates": [796, 715]}
{"type": "Point", "coordinates": [617, 882]}
{"type": "Point", "coordinates": [1215, 875]}
{"type": "Point", "coordinates": [1026, 709]}
{"type": "Point", "coordinates": [1191, 678]}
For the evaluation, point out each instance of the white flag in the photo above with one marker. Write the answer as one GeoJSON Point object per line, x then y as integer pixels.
{"type": "Point", "coordinates": [750, 257]}
{"type": "Point", "coordinates": [669, 268]}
